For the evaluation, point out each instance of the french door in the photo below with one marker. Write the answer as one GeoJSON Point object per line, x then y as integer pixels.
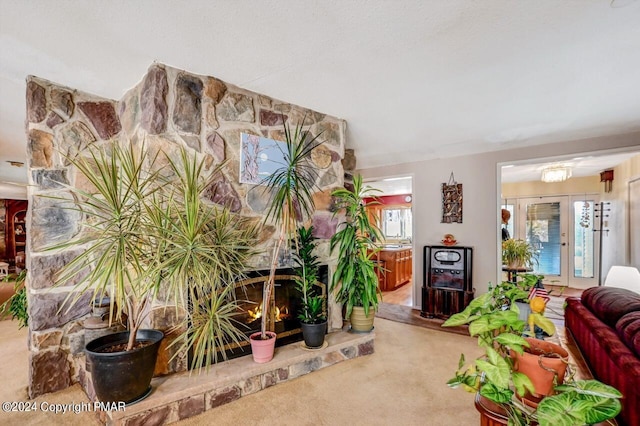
{"type": "Point", "coordinates": [561, 231]}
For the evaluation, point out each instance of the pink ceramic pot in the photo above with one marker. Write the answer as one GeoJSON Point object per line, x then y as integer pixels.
{"type": "Point", "coordinates": [262, 349]}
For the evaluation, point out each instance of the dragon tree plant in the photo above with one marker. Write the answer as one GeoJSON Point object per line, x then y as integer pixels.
{"type": "Point", "coordinates": [291, 188]}
{"type": "Point", "coordinates": [148, 234]}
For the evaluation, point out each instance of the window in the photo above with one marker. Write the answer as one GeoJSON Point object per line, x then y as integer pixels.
{"type": "Point", "coordinates": [397, 223]}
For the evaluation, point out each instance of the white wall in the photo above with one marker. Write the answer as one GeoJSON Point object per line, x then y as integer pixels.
{"type": "Point", "coordinates": [616, 243]}
{"type": "Point", "coordinates": [481, 189]}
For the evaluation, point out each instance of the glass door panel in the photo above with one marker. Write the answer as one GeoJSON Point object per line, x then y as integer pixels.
{"type": "Point", "coordinates": [544, 226]}
{"type": "Point", "coordinates": [584, 253]}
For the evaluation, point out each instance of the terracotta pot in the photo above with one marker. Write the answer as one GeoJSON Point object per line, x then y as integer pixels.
{"type": "Point", "coordinates": [360, 323]}
{"type": "Point", "coordinates": [542, 361]}
{"type": "Point", "coordinates": [263, 350]}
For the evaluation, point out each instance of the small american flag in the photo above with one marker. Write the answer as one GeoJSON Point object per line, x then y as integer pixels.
{"type": "Point", "coordinates": [538, 290]}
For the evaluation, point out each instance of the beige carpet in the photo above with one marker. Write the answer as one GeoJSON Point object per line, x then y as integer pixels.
{"type": "Point", "coordinates": [403, 383]}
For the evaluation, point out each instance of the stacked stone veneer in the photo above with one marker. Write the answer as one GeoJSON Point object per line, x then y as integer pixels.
{"type": "Point", "coordinates": [169, 109]}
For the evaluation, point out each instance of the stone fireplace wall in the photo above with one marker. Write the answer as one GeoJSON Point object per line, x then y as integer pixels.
{"type": "Point", "coordinates": [168, 109]}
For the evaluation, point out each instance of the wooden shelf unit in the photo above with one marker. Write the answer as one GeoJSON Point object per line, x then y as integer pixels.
{"type": "Point", "coordinates": [15, 230]}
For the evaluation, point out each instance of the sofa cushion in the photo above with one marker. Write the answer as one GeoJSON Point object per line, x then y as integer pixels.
{"type": "Point", "coordinates": [628, 328]}
{"type": "Point", "coordinates": [609, 304]}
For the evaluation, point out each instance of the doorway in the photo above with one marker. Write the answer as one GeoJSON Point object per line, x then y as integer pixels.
{"type": "Point", "coordinates": [561, 231]}
{"type": "Point", "coordinates": [393, 213]}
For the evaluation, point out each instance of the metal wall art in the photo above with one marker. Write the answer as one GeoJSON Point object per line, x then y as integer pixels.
{"type": "Point", "coordinates": [452, 201]}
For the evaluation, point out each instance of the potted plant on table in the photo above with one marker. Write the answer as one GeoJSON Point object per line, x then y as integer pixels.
{"type": "Point", "coordinates": [312, 316]}
{"type": "Point", "coordinates": [497, 377]}
{"type": "Point", "coordinates": [355, 279]}
{"type": "Point", "coordinates": [291, 188]}
{"type": "Point", "coordinates": [147, 232]}
{"type": "Point", "coordinates": [518, 255]}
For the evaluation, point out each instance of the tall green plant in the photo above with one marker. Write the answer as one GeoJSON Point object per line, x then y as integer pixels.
{"type": "Point", "coordinates": [356, 243]}
{"type": "Point", "coordinates": [291, 188]}
{"type": "Point", "coordinates": [148, 230]}
{"type": "Point", "coordinates": [312, 309]}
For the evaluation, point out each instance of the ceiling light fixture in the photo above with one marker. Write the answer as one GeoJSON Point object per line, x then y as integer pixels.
{"type": "Point", "coordinates": [556, 174]}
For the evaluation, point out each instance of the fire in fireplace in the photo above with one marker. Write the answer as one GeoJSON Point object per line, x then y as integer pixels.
{"type": "Point", "coordinates": [285, 305]}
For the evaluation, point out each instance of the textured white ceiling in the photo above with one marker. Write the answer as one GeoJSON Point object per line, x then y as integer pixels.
{"type": "Point", "coordinates": [414, 79]}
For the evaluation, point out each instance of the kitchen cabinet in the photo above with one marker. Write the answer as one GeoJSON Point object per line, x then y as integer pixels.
{"type": "Point", "coordinates": [398, 264]}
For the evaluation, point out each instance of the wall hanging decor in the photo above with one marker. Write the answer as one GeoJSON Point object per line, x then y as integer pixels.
{"type": "Point", "coordinates": [452, 201]}
{"type": "Point", "coordinates": [259, 158]}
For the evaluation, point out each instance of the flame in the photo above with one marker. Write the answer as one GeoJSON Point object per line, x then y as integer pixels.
{"type": "Point", "coordinates": [255, 315]}
{"type": "Point", "coordinates": [280, 313]}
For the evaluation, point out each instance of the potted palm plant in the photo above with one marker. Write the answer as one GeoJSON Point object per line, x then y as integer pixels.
{"type": "Point", "coordinates": [493, 318]}
{"type": "Point", "coordinates": [355, 279]}
{"type": "Point", "coordinates": [148, 232]}
{"type": "Point", "coordinates": [291, 188]}
{"type": "Point", "coordinates": [312, 316]}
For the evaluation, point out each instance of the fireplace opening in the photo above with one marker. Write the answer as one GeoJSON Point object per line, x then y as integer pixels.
{"type": "Point", "coordinates": [285, 306]}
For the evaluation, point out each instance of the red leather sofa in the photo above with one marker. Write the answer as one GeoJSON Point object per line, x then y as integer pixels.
{"type": "Point", "coordinates": [605, 323]}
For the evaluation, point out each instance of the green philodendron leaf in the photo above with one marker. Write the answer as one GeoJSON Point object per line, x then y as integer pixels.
{"type": "Point", "coordinates": [600, 401]}
{"type": "Point", "coordinates": [602, 409]}
{"type": "Point", "coordinates": [494, 321]}
{"type": "Point", "coordinates": [512, 340]}
{"type": "Point", "coordinates": [591, 387]}
{"type": "Point", "coordinates": [457, 319]}
{"type": "Point", "coordinates": [479, 301]}
{"type": "Point", "coordinates": [522, 383]}
{"type": "Point", "coordinates": [544, 323]}
{"type": "Point", "coordinates": [461, 361]}
{"type": "Point", "coordinates": [495, 394]}
{"type": "Point", "coordinates": [481, 325]}
{"type": "Point", "coordinates": [496, 369]}
{"type": "Point", "coordinates": [561, 410]}
{"type": "Point", "coordinates": [455, 382]}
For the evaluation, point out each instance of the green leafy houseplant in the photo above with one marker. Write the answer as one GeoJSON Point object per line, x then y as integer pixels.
{"type": "Point", "coordinates": [16, 305]}
{"type": "Point", "coordinates": [518, 254]}
{"type": "Point", "coordinates": [355, 278]}
{"type": "Point", "coordinates": [312, 309]}
{"type": "Point", "coordinates": [147, 233]}
{"type": "Point", "coordinates": [291, 188]}
{"type": "Point", "coordinates": [493, 318]}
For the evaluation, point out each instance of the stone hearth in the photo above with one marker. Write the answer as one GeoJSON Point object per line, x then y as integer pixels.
{"type": "Point", "coordinates": [183, 395]}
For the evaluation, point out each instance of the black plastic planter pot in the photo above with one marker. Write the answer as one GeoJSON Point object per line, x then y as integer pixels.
{"type": "Point", "coordinates": [313, 334]}
{"type": "Point", "coordinates": [123, 376]}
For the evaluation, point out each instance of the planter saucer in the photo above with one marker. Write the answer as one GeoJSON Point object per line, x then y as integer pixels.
{"type": "Point", "coordinates": [360, 332]}
{"type": "Point", "coordinates": [307, 348]}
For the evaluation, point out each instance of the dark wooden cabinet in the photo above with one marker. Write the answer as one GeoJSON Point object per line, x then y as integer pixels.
{"type": "Point", "coordinates": [16, 231]}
